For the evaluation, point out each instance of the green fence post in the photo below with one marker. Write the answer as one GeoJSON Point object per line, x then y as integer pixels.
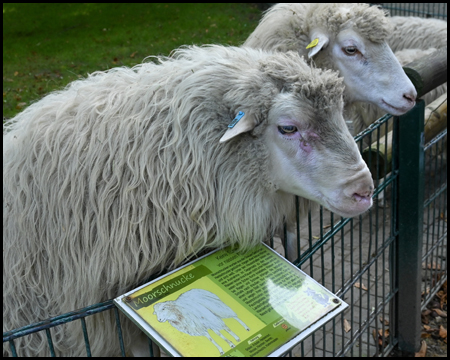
{"type": "Point", "coordinates": [410, 228]}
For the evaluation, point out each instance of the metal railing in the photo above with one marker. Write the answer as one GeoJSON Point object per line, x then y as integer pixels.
{"type": "Point", "coordinates": [426, 10]}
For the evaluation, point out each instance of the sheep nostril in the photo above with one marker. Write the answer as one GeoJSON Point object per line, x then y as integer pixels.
{"type": "Point", "coordinates": [363, 197]}
{"type": "Point", "coordinates": [410, 98]}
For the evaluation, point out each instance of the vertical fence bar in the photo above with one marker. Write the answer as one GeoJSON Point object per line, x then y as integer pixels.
{"type": "Point", "coordinates": [410, 228]}
{"type": "Point", "coordinates": [50, 343]}
{"type": "Point", "coordinates": [86, 338]}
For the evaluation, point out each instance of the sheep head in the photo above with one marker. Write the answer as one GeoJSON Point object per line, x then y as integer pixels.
{"type": "Point", "coordinates": [311, 152]}
{"type": "Point", "coordinates": [349, 38]}
{"type": "Point", "coordinates": [371, 71]}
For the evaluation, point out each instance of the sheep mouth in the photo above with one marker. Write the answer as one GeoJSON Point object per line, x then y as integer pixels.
{"type": "Point", "coordinates": [393, 110]}
{"type": "Point", "coordinates": [349, 212]}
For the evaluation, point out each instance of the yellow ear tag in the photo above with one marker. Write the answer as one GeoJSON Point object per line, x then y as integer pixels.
{"type": "Point", "coordinates": [313, 43]}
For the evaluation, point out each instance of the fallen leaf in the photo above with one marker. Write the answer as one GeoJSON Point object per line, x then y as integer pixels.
{"type": "Point", "coordinates": [426, 312]}
{"type": "Point", "coordinates": [425, 335]}
{"type": "Point", "coordinates": [362, 286]}
{"type": "Point", "coordinates": [442, 332]}
{"type": "Point", "coordinates": [326, 226]}
{"type": "Point", "coordinates": [426, 327]}
{"type": "Point", "coordinates": [386, 322]}
{"type": "Point", "coordinates": [16, 73]}
{"type": "Point", "coordinates": [347, 326]}
{"type": "Point", "coordinates": [440, 294]}
{"type": "Point", "coordinates": [133, 54]}
{"type": "Point", "coordinates": [423, 350]}
{"type": "Point", "coordinates": [440, 312]}
{"type": "Point", "coordinates": [379, 337]}
{"type": "Point", "coordinates": [442, 297]}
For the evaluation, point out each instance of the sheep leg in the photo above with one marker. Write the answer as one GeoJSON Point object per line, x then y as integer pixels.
{"type": "Point", "coordinates": [292, 246]}
{"type": "Point", "coordinates": [242, 323]}
{"type": "Point", "coordinates": [227, 329]}
{"type": "Point", "coordinates": [216, 344]}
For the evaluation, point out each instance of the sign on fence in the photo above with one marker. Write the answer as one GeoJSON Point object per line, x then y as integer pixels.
{"type": "Point", "coordinates": [231, 304]}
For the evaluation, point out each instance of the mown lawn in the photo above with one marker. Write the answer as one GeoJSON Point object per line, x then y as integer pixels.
{"type": "Point", "coordinates": [46, 46]}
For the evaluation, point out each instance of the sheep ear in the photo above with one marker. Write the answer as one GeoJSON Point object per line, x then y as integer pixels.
{"type": "Point", "coordinates": [318, 42]}
{"type": "Point", "coordinates": [242, 123]}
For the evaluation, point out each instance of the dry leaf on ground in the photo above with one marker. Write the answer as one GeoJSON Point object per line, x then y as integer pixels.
{"type": "Point", "coordinates": [440, 312]}
{"type": "Point", "coordinates": [442, 332]}
{"type": "Point", "coordinates": [423, 350]}
{"type": "Point", "coordinates": [360, 285]}
{"type": "Point", "coordinates": [347, 326]}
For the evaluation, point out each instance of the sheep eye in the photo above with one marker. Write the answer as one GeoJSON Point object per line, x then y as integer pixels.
{"type": "Point", "coordinates": [287, 129]}
{"type": "Point", "coordinates": [350, 50]}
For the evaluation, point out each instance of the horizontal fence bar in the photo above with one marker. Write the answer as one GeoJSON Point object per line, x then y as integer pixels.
{"type": "Point", "coordinates": [435, 140]}
{"type": "Point", "coordinates": [435, 195]}
{"type": "Point", "coordinates": [57, 320]}
{"type": "Point", "coordinates": [433, 292]}
{"type": "Point", "coordinates": [434, 247]}
{"type": "Point", "coordinates": [317, 245]}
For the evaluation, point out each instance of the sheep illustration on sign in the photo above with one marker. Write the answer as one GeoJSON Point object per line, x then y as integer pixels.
{"type": "Point", "coordinates": [195, 312]}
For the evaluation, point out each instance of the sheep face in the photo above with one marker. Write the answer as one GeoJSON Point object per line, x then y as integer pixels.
{"type": "Point", "coordinates": [350, 38]}
{"type": "Point", "coordinates": [163, 312]}
{"type": "Point", "coordinates": [312, 153]}
{"type": "Point", "coordinates": [372, 73]}
{"type": "Point", "coordinates": [314, 156]}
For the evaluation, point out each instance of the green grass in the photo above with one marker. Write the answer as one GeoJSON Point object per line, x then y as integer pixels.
{"type": "Point", "coordinates": [46, 46]}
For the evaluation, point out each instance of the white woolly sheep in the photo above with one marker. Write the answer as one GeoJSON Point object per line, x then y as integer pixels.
{"type": "Point", "coordinates": [132, 171]}
{"type": "Point", "coordinates": [350, 38]}
{"type": "Point", "coordinates": [411, 38]}
{"type": "Point", "coordinates": [195, 312]}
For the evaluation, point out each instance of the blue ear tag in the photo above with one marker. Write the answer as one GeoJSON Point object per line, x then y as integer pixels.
{"type": "Point", "coordinates": [236, 119]}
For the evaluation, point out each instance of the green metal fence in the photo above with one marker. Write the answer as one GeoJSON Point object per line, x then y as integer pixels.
{"type": "Point", "coordinates": [427, 10]}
